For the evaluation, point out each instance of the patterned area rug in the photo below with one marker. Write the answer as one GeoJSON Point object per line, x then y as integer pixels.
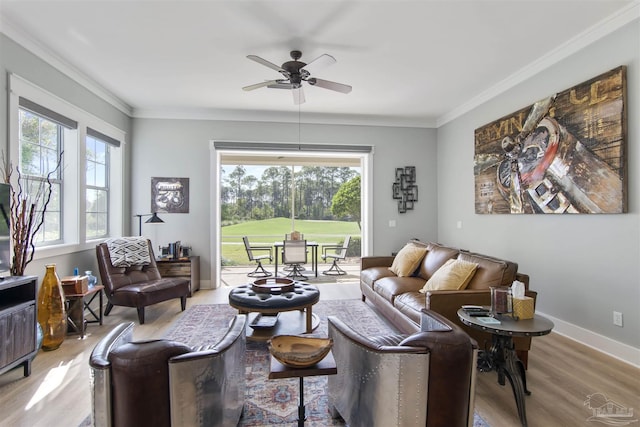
{"type": "Point", "coordinates": [275, 402]}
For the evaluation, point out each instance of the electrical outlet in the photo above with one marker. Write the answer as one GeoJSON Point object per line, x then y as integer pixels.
{"type": "Point", "coordinates": [617, 318]}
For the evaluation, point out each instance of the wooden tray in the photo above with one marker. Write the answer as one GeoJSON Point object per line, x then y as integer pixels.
{"type": "Point", "coordinates": [273, 285]}
{"type": "Point", "coordinates": [264, 321]}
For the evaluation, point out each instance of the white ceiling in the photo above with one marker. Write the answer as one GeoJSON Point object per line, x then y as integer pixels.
{"type": "Point", "coordinates": [413, 63]}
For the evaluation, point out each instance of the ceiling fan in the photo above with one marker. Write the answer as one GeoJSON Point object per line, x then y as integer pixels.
{"type": "Point", "coordinates": [295, 72]}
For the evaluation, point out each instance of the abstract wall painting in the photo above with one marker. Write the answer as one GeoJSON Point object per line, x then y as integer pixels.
{"type": "Point", "coordinates": [563, 154]}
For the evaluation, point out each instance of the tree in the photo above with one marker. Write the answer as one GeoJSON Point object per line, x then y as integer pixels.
{"type": "Point", "coordinates": [346, 201]}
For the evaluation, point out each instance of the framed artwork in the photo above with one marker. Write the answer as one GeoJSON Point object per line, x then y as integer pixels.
{"type": "Point", "coordinates": [564, 154]}
{"type": "Point", "coordinates": [170, 195]}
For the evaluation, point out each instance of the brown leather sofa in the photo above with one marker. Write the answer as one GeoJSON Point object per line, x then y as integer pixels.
{"type": "Point", "coordinates": [425, 379]}
{"type": "Point", "coordinates": [138, 285]}
{"type": "Point", "coordinates": [399, 299]}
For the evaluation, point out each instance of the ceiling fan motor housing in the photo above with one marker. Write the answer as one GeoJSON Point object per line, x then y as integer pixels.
{"type": "Point", "coordinates": [293, 68]}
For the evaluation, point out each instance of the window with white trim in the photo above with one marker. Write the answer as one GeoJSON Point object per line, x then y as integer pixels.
{"type": "Point", "coordinates": [87, 189]}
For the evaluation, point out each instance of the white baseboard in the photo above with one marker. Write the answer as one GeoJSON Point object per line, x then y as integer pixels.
{"type": "Point", "coordinates": [616, 349]}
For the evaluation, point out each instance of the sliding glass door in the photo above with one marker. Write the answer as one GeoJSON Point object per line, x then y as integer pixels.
{"type": "Point", "coordinates": [265, 194]}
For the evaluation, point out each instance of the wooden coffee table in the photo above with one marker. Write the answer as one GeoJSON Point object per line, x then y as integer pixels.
{"type": "Point", "coordinates": [326, 366]}
{"type": "Point", "coordinates": [502, 356]}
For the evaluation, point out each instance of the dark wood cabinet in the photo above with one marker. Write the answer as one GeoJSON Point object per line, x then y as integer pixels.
{"type": "Point", "coordinates": [182, 267]}
{"type": "Point", "coordinates": [18, 322]}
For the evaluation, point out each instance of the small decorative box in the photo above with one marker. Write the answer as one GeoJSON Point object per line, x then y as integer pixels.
{"type": "Point", "coordinates": [523, 308]}
{"type": "Point", "coordinates": [75, 284]}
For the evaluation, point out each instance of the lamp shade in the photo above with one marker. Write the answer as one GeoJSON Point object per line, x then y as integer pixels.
{"type": "Point", "coordinates": [155, 219]}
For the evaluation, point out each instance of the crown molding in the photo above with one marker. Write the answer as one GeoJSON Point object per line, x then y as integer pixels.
{"type": "Point", "coordinates": [282, 117]}
{"type": "Point", "coordinates": [46, 54]}
{"type": "Point", "coordinates": [587, 37]}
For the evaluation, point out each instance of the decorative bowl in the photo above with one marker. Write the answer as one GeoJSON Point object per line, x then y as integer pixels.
{"type": "Point", "coordinates": [299, 351]}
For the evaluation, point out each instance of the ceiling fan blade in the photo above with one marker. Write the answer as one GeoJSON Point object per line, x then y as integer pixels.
{"type": "Point", "coordinates": [259, 85]}
{"type": "Point", "coordinates": [320, 62]}
{"type": "Point", "coordinates": [266, 63]}
{"type": "Point", "coordinates": [280, 85]}
{"type": "Point", "coordinates": [326, 84]}
{"type": "Point", "coordinates": [298, 96]}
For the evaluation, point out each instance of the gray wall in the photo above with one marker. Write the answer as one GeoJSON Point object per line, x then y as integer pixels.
{"type": "Point", "coordinates": [181, 148]}
{"type": "Point", "coordinates": [15, 59]}
{"type": "Point", "coordinates": [583, 266]}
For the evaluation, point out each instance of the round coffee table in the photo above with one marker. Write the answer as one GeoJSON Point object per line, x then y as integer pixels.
{"type": "Point", "coordinates": [269, 314]}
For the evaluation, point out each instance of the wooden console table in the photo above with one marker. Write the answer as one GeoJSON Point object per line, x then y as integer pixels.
{"type": "Point", "coordinates": [182, 267]}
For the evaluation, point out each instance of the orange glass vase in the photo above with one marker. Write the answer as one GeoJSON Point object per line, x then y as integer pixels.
{"type": "Point", "coordinates": [52, 315]}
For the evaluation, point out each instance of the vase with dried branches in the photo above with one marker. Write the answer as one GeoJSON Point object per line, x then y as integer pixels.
{"type": "Point", "coordinates": [29, 202]}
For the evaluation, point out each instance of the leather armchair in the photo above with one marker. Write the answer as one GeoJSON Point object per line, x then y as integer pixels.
{"type": "Point", "coordinates": [165, 383]}
{"type": "Point", "coordinates": [424, 379]}
{"type": "Point", "coordinates": [139, 285]}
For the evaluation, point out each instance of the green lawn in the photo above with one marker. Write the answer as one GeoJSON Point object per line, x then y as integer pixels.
{"type": "Point", "coordinates": [268, 231]}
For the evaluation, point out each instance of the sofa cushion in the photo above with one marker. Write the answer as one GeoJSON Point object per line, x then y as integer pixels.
{"type": "Point", "coordinates": [491, 271]}
{"type": "Point", "coordinates": [369, 275]}
{"type": "Point", "coordinates": [410, 304]}
{"type": "Point", "coordinates": [389, 287]}
{"type": "Point", "coordinates": [436, 256]}
{"type": "Point", "coordinates": [454, 275]}
{"type": "Point", "coordinates": [408, 259]}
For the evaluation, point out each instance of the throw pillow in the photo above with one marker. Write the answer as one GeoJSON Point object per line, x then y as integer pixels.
{"type": "Point", "coordinates": [408, 259]}
{"type": "Point", "coordinates": [128, 251]}
{"type": "Point", "coordinates": [454, 275]}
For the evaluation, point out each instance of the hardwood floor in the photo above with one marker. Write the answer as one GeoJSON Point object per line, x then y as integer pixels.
{"type": "Point", "coordinates": [562, 373]}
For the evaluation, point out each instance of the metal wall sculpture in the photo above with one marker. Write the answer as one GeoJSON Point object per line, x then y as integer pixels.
{"type": "Point", "coordinates": [564, 154]}
{"type": "Point", "coordinates": [405, 189]}
{"type": "Point", "coordinates": [170, 195]}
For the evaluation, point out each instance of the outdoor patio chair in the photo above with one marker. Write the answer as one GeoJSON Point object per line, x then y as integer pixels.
{"type": "Point", "coordinates": [340, 252]}
{"type": "Point", "coordinates": [259, 271]}
{"type": "Point", "coordinates": [294, 253]}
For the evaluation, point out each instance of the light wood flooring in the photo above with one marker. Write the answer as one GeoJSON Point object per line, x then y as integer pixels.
{"type": "Point", "coordinates": [562, 373]}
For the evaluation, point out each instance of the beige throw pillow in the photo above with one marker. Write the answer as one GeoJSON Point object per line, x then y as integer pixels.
{"type": "Point", "coordinates": [455, 274]}
{"type": "Point", "coordinates": [408, 259]}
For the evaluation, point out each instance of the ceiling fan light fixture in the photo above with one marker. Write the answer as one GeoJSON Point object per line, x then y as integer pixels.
{"type": "Point", "coordinates": [296, 72]}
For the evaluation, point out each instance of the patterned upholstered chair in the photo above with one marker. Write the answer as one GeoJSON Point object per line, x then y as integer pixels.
{"type": "Point", "coordinates": [133, 280]}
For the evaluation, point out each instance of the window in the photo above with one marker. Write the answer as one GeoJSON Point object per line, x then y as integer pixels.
{"type": "Point", "coordinates": [40, 155]}
{"type": "Point", "coordinates": [97, 187]}
{"type": "Point", "coordinates": [87, 189]}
